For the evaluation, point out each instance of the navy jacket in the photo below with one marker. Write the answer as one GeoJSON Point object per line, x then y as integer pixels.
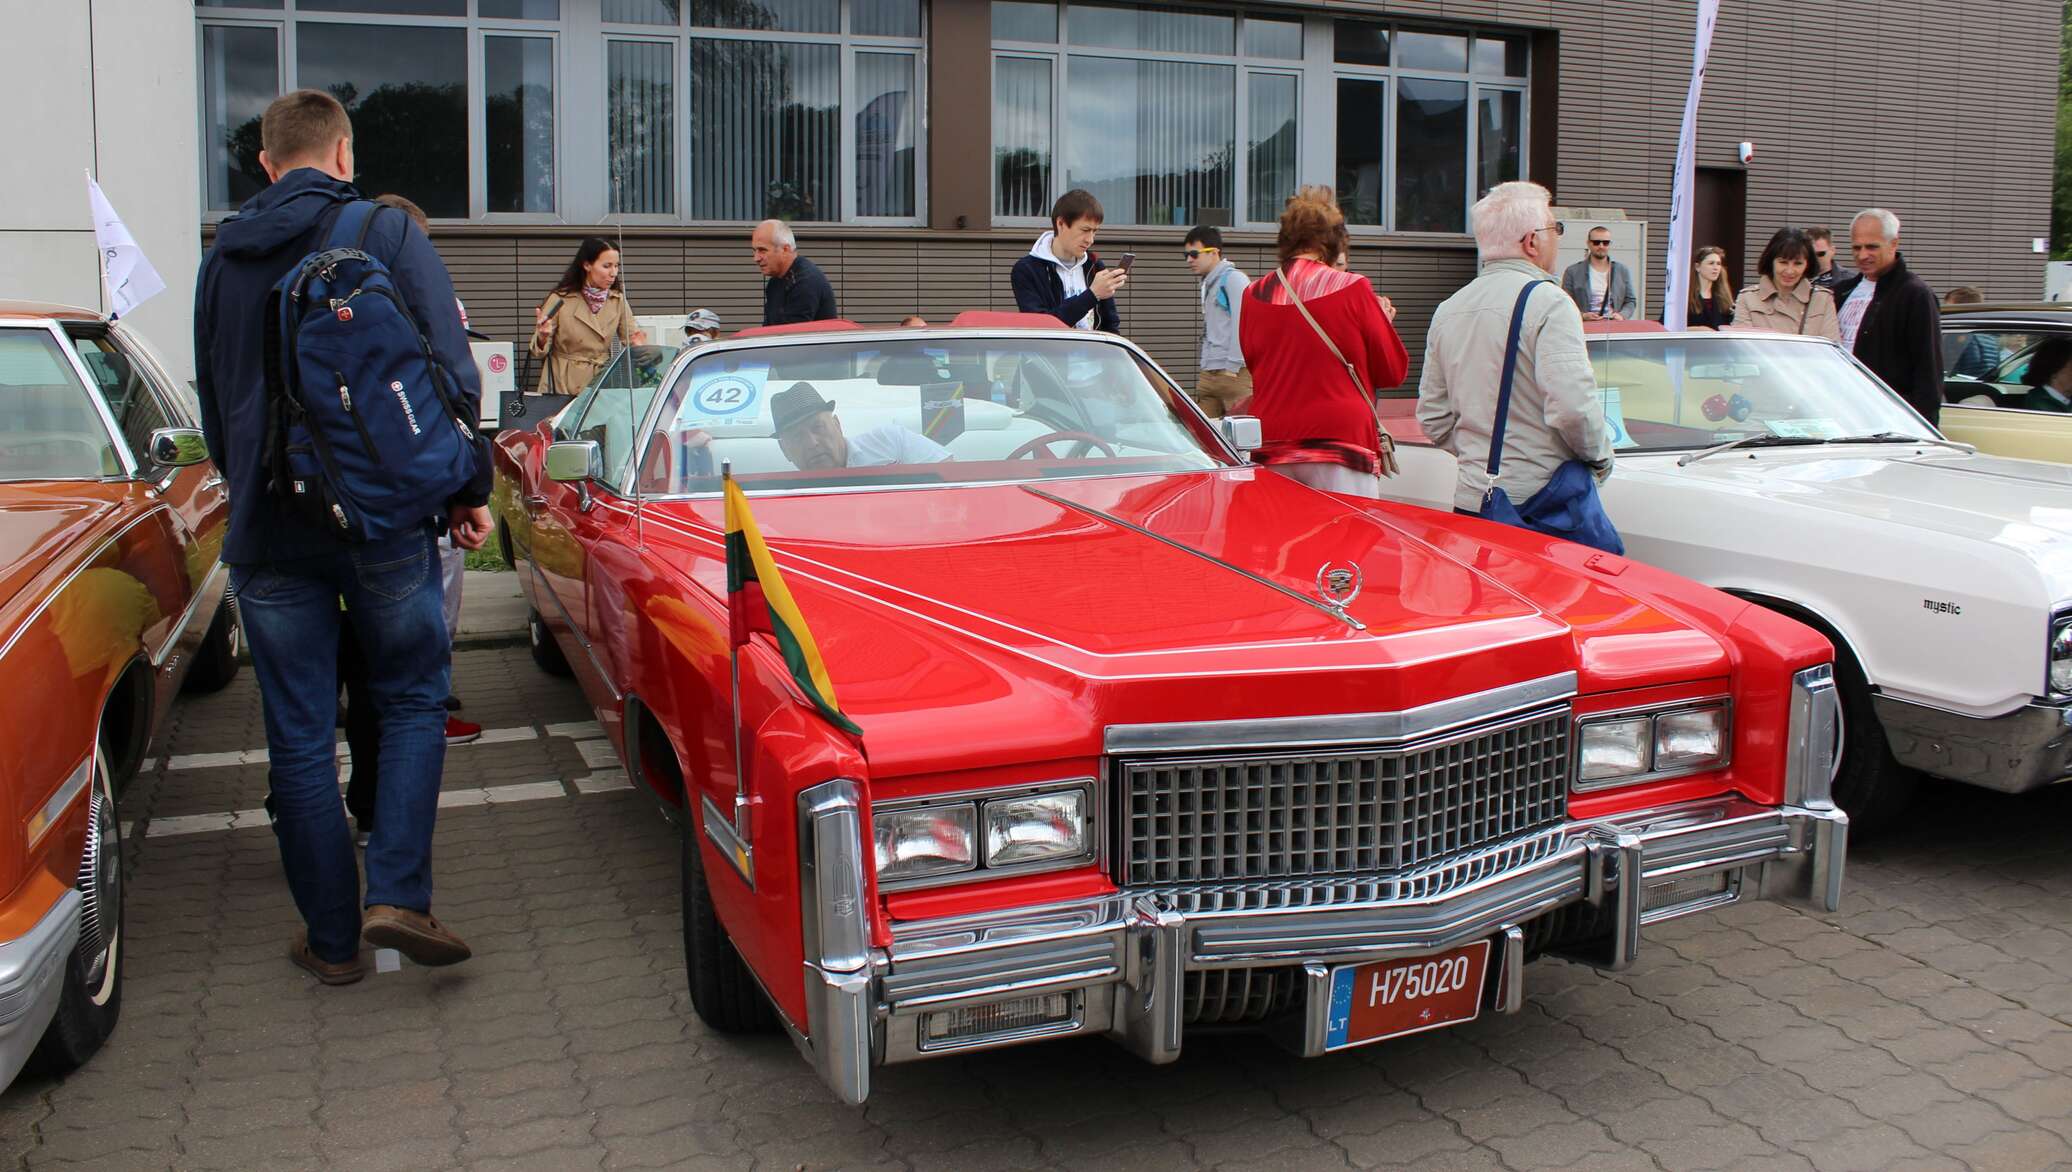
{"type": "Point", "coordinates": [801, 294]}
{"type": "Point", "coordinates": [268, 236]}
{"type": "Point", "coordinates": [1039, 289]}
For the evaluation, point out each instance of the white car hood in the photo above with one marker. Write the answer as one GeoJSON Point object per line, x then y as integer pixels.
{"type": "Point", "coordinates": [2020, 504]}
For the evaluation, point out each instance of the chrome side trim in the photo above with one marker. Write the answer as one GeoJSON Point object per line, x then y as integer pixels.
{"type": "Point", "coordinates": [721, 832]}
{"type": "Point", "coordinates": [213, 585]}
{"type": "Point", "coordinates": [67, 793]}
{"type": "Point", "coordinates": [1339, 729]}
{"type": "Point", "coordinates": [1315, 604]}
{"type": "Point", "coordinates": [590, 652]}
{"type": "Point", "coordinates": [834, 924]}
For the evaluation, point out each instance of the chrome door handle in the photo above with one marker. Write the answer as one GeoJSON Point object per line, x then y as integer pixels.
{"type": "Point", "coordinates": [534, 501]}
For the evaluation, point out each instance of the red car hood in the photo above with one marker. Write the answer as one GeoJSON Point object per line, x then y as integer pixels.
{"type": "Point", "coordinates": [1022, 608]}
{"type": "Point", "coordinates": [38, 520]}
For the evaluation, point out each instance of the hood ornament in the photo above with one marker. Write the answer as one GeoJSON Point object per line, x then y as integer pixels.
{"type": "Point", "coordinates": [1338, 583]}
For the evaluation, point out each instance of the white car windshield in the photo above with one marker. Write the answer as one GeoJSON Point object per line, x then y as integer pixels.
{"type": "Point", "coordinates": [1676, 393]}
{"type": "Point", "coordinates": [919, 409]}
{"type": "Point", "coordinates": [49, 429]}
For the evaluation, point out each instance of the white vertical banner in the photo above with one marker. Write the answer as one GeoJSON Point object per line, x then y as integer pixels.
{"type": "Point", "coordinates": [129, 276]}
{"type": "Point", "coordinates": [1676, 289]}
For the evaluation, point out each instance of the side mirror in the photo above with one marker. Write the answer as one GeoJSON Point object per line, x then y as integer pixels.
{"type": "Point", "coordinates": [177, 447]}
{"type": "Point", "coordinates": [1241, 432]}
{"type": "Point", "coordinates": [574, 461]}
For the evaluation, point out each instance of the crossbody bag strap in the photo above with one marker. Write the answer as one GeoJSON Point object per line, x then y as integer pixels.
{"type": "Point", "coordinates": [1503, 393]}
{"type": "Point", "coordinates": [1350, 372]}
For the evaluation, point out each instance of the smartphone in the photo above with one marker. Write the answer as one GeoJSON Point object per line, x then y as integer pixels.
{"type": "Point", "coordinates": [1128, 259]}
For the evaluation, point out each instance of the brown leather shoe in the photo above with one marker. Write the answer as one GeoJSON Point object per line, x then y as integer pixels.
{"type": "Point", "coordinates": [341, 973]}
{"type": "Point", "coordinates": [414, 934]}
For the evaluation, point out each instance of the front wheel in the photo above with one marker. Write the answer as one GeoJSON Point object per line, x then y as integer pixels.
{"type": "Point", "coordinates": [1871, 786]}
{"type": "Point", "coordinates": [92, 997]}
{"type": "Point", "coordinates": [545, 651]}
{"type": "Point", "coordinates": [722, 989]}
{"type": "Point", "coordinates": [215, 665]}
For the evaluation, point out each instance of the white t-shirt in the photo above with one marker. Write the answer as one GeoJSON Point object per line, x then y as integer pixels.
{"type": "Point", "coordinates": [1598, 282]}
{"type": "Point", "coordinates": [1073, 278]}
{"type": "Point", "coordinates": [893, 444]}
{"type": "Point", "coordinates": [1853, 310]}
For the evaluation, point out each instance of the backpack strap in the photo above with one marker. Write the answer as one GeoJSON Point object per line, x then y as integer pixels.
{"type": "Point", "coordinates": [351, 223]}
{"type": "Point", "coordinates": [1503, 394]}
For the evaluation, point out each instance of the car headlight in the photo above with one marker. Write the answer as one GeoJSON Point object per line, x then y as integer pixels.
{"type": "Point", "coordinates": [922, 841]}
{"type": "Point", "coordinates": [2061, 657]}
{"type": "Point", "coordinates": [1647, 746]}
{"type": "Point", "coordinates": [1036, 829]}
{"type": "Point", "coordinates": [973, 836]}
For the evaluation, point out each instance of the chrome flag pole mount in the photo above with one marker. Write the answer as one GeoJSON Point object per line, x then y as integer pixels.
{"type": "Point", "coordinates": [1676, 289]}
{"type": "Point", "coordinates": [125, 273]}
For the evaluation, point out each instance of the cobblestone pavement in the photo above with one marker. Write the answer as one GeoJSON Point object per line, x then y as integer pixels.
{"type": "Point", "coordinates": [1927, 1025]}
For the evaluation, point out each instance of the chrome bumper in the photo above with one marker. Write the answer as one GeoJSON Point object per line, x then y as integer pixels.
{"type": "Point", "coordinates": [31, 970]}
{"type": "Point", "coordinates": [1121, 959]}
{"type": "Point", "coordinates": [2018, 751]}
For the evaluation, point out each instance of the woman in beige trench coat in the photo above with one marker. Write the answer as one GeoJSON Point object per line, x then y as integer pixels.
{"type": "Point", "coordinates": [574, 328]}
{"type": "Point", "coordinates": [1786, 299]}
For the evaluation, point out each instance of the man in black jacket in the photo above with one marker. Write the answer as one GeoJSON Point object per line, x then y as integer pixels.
{"type": "Point", "coordinates": [1062, 277]}
{"type": "Point", "coordinates": [796, 290]}
{"type": "Point", "coordinates": [1889, 315]}
{"type": "Point", "coordinates": [289, 576]}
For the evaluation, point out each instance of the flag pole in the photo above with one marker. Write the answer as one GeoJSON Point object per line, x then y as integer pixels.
{"type": "Point", "coordinates": [726, 477]}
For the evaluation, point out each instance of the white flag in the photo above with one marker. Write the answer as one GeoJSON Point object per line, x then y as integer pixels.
{"type": "Point", "coordinates": [130, 278]}
{"type": "Point", "coordinates": [1676, 293]}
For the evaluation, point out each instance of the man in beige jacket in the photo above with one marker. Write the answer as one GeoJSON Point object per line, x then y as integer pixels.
{"type": "Point", "coordinates": [1556, 415]}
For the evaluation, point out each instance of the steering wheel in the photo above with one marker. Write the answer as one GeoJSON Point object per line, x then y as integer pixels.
{"type": "Point", "coordinates": [1043, 442]}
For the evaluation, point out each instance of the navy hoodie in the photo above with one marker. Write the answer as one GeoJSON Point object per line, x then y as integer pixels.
{"type": "Point", "coordinates": [267, 237]}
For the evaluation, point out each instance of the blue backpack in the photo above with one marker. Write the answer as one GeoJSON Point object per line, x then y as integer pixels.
{"type": "Point", "coordinates": [367, 435]}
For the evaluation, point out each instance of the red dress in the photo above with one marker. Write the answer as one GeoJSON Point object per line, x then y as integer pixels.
{"type": "Point", "coordinates": [1308, 410]}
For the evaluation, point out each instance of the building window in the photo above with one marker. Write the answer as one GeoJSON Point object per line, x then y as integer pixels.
{"type": "Point", "coordinates": [668, 110]}
{"type": "Point", "coordinates": [1175, 115]}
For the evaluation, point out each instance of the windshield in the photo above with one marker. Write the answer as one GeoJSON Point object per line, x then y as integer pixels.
{"type": "Point", "coordinates": [926, 410]}
{"type": "Point", "coordinates": [1669, 394]}
{"type": "Point", "coordinates": [48, 427]}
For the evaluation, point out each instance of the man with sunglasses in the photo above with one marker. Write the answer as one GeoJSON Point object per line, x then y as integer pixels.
{"type": "Point", "coordinates": [1600, 286]}
{"type": "Point", "coordinates": [1223, 382]}
{"type": "Point", "coordinates": [1827, 272]}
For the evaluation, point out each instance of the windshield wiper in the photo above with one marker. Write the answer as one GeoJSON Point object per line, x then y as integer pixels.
{"type": "Point", "coordinates": [1761, 439]}
{"type": "Point", "coordinates": [1894, 437]}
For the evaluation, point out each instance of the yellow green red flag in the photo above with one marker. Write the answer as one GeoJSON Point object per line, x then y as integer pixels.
{"type": "Point", "coordinates": [757, 600]}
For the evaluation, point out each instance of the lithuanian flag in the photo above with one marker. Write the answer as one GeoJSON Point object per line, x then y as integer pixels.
{"type": "Point", "coordinates": [757, 600]}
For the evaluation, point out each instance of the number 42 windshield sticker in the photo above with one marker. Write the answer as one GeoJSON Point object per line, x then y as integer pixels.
{"type": "Point", "coordinates": [725, 396]}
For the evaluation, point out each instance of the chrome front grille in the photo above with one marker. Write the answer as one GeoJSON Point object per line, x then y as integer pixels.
{"type": "Point", "coordinates": [1293, 815]}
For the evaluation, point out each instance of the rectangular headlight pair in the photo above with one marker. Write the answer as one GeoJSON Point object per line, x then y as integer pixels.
{"type": "Point", "coordinates": [1018, 831]}
{"type": "Point", "coordinates": [1647, 746]}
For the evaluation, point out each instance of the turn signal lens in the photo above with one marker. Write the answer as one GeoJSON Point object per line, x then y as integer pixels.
{"type": "Point", "coordinates": [1036, 829]}
{"type": "Point", "coordinates": [926, 840]}
{"type": "Point", "coordinates": [1690, 739]}
{"type": "Point", "coordinates": [1614, 748]}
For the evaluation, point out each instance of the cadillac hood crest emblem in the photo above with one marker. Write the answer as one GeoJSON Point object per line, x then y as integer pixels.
{"type": "Point", "coordinates": [1338, 583]}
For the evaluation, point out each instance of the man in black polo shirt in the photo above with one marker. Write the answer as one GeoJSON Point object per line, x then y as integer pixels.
{"type": "Point", "coordinates": [796, 290]}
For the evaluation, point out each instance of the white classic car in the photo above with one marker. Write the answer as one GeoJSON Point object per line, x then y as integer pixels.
{"type": "Point", "coordinates": [1779, 469]}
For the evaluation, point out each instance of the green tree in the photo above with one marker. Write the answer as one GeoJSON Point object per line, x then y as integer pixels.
{"type": "Point", "coordinates": [2061, 186]}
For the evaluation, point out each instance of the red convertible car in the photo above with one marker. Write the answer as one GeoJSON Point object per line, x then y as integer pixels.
{"type": "Point", "coordinates": [1152, 740]}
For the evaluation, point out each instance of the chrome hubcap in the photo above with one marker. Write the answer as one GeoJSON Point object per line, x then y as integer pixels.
{"type": "Point", "coordinates": [100, 890]}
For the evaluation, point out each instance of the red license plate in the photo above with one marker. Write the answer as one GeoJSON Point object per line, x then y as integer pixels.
{"type": "Point", "coordinates": [1390, 998]}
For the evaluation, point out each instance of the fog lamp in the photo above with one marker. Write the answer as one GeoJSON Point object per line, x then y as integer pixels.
{"type": "Point", "coordinates": [1613, 749]}
{"type": "Point", "coordinates": [1036, 829]}
{"type": "Point", "coordinates": [925, 840]}
{"type": "Point", "coordinates": [1692, 738]}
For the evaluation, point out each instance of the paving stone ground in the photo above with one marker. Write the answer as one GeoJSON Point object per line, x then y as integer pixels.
{"type": "Point", "coordinates": [1927, 1025]}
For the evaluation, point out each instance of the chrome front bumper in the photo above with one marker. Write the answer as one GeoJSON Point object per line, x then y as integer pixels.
{"type": "Point", "coordinates": [31, 968]}
{"type": "Point", "coordinates": [1122, 959]}
{"type": "Point", "coordinates": [2015, 752]}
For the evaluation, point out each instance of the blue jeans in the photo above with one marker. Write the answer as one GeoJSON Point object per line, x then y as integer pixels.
{"type": "Point", "coordinates": [291, 615]}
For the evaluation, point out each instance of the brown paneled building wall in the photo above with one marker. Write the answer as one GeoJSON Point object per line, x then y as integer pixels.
{"type": "Point", "coordinates": [1943, 112]}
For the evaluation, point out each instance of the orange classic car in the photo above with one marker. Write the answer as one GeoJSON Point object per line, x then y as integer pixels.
{"type": "Point", "coordinates": [1152, 741]}
{"type": "Point", "coordinates": [112, 597]}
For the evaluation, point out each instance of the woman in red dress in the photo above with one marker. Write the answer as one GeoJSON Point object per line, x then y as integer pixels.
{"type": "Point", "coordinates": [1316, 406]}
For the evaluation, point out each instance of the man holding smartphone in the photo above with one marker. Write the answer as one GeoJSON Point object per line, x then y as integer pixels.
{"type": "Point", "coordinates": [1062, 277]}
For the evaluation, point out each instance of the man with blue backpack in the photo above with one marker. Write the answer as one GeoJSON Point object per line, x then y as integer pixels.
{"type": "Point", "coordinates": [338, 396]}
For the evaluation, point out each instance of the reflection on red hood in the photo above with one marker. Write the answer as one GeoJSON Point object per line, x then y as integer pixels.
{"type": "Point", "coordinates": [39, 519]}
